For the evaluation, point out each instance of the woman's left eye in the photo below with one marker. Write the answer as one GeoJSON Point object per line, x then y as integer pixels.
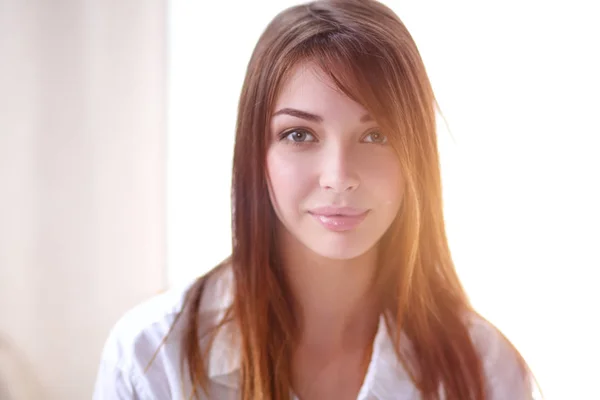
{"type": "Point", "coordinates": [376, 137]}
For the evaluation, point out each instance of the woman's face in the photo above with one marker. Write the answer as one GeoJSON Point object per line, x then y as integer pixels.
{"type": "Point", "coordinates": [334, 181]}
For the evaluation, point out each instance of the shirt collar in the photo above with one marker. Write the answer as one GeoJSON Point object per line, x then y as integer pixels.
{"type": "Point", "coordinates": [385, 378]}
{"type": "Point", "coordinates": [224, 358]}
{"type": "Point", "coordinates": [224, 361]}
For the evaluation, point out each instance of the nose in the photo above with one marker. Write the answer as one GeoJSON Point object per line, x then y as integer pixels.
{"type": "Point", "coordinates": [338, 170]}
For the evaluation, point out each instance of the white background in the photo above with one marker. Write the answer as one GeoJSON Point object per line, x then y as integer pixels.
{"type": "Point", "coordinates": [517, 82]}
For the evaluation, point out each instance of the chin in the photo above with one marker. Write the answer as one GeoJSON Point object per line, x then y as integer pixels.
{"type": "Point", "coordinates": [335, 250]}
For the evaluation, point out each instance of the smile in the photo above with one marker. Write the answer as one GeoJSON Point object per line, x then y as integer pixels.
{"type": "Point", "coordinates": [339, 219]}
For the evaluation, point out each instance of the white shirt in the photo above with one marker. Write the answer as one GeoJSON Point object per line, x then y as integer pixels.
{"type": "Point", "coordinates": [138, 335]}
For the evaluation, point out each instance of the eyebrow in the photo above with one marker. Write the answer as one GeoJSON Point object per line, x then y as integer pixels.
{"type": "Point", "coordinates": [311, 117]}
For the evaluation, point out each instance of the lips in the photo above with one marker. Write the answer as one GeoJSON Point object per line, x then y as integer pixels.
{"type": "Point", "coordinates": [339, 219]}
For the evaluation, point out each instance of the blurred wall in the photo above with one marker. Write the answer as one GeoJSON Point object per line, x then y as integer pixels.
{"type": "Point", "coordinates": [82, 133]}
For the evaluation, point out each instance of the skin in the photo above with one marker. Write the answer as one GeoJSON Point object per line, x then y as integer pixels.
{"type": "Point", "coordinates": [338, 158]}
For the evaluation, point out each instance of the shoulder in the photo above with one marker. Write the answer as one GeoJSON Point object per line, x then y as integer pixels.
{"type": "Point", "coordinates": [145, 340]}
{"type": "Point", "coordinates": [148, 323]}
{"type": "Point", "coordinates": [144, 325]}
{"type": "Point", "coordinates": [506, 373]}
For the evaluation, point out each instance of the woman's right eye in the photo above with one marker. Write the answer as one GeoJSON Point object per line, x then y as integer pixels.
{"type": "Point", "coordinates": [299, 136]}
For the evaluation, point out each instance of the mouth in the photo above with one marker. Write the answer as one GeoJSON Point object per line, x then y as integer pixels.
{"type": "Point", "coordinates": [339, 219]}
{"type": "Point", "coordinates": [338, 211]}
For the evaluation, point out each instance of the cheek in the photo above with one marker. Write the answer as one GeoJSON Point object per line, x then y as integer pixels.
{"type": "Point", "coordinates": [289, 179]}
{"type": "Point", "coordinates": [384, 178]}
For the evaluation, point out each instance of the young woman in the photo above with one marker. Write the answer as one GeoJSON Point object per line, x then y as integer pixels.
{"type": "Point", "coordinates": [341, 284]}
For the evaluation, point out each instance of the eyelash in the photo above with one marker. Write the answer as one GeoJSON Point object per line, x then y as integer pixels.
{"type": "Point", "coordinates": [286, 134]}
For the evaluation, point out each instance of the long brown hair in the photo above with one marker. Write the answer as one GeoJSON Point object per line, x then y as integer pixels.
{"type": "Point", "coordinates": [369, 54]}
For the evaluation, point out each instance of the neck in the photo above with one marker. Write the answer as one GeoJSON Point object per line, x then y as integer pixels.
{"type": "Point", "coordinates": [334, 300]}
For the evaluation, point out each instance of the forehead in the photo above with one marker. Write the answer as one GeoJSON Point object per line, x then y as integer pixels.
{"type": "Point", "coordinates": [309, 88]}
